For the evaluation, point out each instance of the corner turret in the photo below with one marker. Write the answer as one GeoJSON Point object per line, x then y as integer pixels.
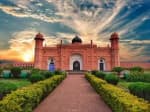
{"type": "Point", "coordinates": [39, 38]}
{"type": "Point", "coordinates": [114, 41]}
{"type": "Point", "coordinates": [115, 59]}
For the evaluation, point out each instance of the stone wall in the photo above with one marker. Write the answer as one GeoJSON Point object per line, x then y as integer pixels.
{"type": "Point", "coordinates": [145, 65]}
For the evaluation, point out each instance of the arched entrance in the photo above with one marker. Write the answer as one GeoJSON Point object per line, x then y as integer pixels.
{"type": "Point", "coordinates": [76, 66]}
{"type": "Point", "coordinates": [76, 62]}
{"type": "Point", "coordinates": [102, 66]}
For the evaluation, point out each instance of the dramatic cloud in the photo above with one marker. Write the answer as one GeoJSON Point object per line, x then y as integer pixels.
{"type": "Point", "coordinates": [91, 19]}
{"type": "Point", "coordinates": [22, 45]}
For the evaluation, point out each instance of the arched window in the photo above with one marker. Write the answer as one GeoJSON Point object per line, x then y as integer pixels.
{"type": "Point", "coordinates": [51, 65]}
{"type": "Point", "coordinates": [102, 65]}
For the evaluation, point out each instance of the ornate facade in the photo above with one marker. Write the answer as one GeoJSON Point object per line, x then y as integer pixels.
{"type": "Point", "coordinates": [76, 55]}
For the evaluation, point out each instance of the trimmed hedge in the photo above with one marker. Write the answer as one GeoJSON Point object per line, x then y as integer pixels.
{"type": "Point", "coordinates": [137, 77]}
{"type": "Point", "coordinates": [58, 72]}
{"type": "Point", "coordinates": [100, 74]}
{"type": "Point", "coordinates": [6, 88]}
{"type": "Point", "coordinates": [16, 71]}
{"type": "Point", "coordinates": [6, 74]}
{"type": "Point", "coordinates": [116, 98]}
{"type": "Point", "coordinates": [136, 69]}
{"type": "Point", "coordinates": [94, 72]}
{"type": "Point", "coordinates": [47, 74]}
{"type": "Point", "coordinates": [140, 89]}
{"type": "Point", "coordinates": [27, 98]}
{"type": "Point", "coordinates": [118, 70]}
{"type": "Point", "coordinates": [112, 78]}
{"type": "Point", "coordinates": [1, 71]}
{"type": "Point", "coordinates": [24, 74]}
{"type": "Point", "coordinates": [35, 77]}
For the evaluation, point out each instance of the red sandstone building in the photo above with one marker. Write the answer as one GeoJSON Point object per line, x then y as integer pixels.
{"type": "Point", "coordinates": [76, 55]}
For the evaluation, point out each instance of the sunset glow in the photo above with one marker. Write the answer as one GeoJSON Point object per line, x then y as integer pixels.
{"type": "Point", "coordinates": [59, 20]}
{"type": "Point", "coordinates": [27, 58]}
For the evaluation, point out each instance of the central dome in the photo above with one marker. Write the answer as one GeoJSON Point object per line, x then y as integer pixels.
{"type": "Point", "coordinates": [76, 39]}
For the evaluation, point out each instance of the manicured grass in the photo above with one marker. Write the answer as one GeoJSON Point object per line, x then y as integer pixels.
{"type": "Point", "coordinates": [8, 85]}
{"type": "Point", "coordinates": [123, 84]}
{"type": "Point", "coordinates": [17, 82]}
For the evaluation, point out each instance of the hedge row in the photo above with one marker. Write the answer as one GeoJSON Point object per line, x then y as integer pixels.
{"type": "Point", "coordinates": [137, 77]}
{"type": "Point", "coordinates": [116, 98]}
{"type": "Point", "coordinates": [7, 74]}
{"type": "Point", "coordinates": [111, 78]}
{"type": "Point", "coordinates": [140, 89]}
{"type": "Point", "coordinates": [27, 98]}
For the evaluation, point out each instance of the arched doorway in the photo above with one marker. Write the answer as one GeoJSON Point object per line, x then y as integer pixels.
{"type": "Point", "coordinates": [76, 66]}
{"type": "Point", "coordinates": [102, 65]}
{"type": "Point", "coordinates": [51, 65]}
{"type": "Point", "coordinates": [76, 62]}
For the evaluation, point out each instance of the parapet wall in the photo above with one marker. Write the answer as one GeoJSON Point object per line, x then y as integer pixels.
{"type": "Point", "coordinates": [145, 65]}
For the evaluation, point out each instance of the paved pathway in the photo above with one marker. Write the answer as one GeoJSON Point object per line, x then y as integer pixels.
{"type": "Point", "coordinates": [74, 94]}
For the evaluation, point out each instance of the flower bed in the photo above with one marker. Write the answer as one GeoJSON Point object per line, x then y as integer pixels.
{"type": "Point", "coordinates": [27, 98]}
{"type": "Point", "coordinates": [117, 98]}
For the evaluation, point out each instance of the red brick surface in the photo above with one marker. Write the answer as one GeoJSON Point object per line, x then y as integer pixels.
{"type": "Point", "coordinates": [74, 94]}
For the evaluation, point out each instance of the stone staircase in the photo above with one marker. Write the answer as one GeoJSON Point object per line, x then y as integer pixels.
{"type": "Point", "coordinates": [71, 72]}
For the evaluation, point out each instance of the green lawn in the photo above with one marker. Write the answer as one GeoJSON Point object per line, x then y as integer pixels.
{"type": "Point", "coordinates": [8, 85]}
{"type": "Point", "coordinates": [17, 82]}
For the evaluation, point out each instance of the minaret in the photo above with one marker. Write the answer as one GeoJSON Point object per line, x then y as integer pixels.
{"type": "Point", "coordinates": [38, 51]}
{"type": "Point", "coordinates": [115, 59]}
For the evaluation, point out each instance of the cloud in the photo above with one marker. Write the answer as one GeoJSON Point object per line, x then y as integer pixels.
{"type": "Point", "coordinates": [91, 19]}
{"type": "Point", "coordinates": [136, 41]}
{"type": "Point", "coordinates": [23, 11]}
{"type": "Point", "coordinates": [132, 53]}
{"type": "Point", "coordinates": [22, 44]}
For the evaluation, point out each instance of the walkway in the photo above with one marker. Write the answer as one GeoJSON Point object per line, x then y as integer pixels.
{"type": "Point", "coordinates": [74, 94]}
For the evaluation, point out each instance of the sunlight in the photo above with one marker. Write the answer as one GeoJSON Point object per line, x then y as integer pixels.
{"type": "Point", "coordinates": [27, 57]}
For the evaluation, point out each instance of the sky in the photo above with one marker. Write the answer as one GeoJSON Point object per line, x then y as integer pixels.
{"type": "Point", "coordinates": [21, 20]}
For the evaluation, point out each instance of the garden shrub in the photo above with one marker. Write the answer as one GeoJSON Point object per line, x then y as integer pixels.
{"type": "Point", "coordinates": [137, 69]}
{"type": "Point", "coordinates": [47, 74]}
{"type": "Point", "coordinates": [118, 70]}
{"type": "Point", "coordinates": [138, 77]}
{"type": "Point", "coordinates": [24, 74]}
{"type": "Point", "coordinates": [140, 89]}
{"type": "Point", "coordinates": [27, 98]}
{"type": "Point", "coordinates": [58, 72]}
{"type": "Point", "coordinates": [112, 78]}
{"type": "Point", "coordinates": [6, 88]}
{"type": "Point", "coordinates": [16, 71]}
{"type": "Point", "coordinates": [35, 77]}
{"type": "Point", "coordinates": [117, 98]}
{"type": "Point", "coordinates": [100, 74]}
{"type": "Point", "coordinates": [1, 71]}
{"type": "Point", "coordinates": [6, 74]}
{"type": "Point", "coordinates": [35, 70]}
{"type": "Point", "coordinates": [94, 72]}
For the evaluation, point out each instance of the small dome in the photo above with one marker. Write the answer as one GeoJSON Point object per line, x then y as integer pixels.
{"type": "Point", "coordinates": [76, 39]}
{"type": "Point", "coordinates": [114, 36]}
{"type": "Point", "coordinates": [39, 36]}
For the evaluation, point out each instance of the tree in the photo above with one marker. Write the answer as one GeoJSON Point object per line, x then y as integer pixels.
{"type": "Point", "coordinates": [16, 71]}
{"type": "Point", "coordinates": [118, 70]}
